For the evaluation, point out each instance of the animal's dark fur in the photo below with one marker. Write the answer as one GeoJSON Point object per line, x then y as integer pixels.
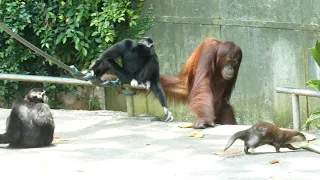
{"type": "Point", "coordinates": [30, 123]}
{"type": "Point", "coordinates": [139, 66]}
{"type": "Point", "coordinates": [266, 133]}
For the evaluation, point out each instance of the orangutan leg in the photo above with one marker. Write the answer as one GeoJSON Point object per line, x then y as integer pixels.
{"type": "Point", "coordinates": [201, 124]}
{"type": "Point", "coordinates": [226, 116]}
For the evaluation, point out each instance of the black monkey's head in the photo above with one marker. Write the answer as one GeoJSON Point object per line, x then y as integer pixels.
{"type": "Point", "coordinates": [145, 47]}
{"type": "Point", "coordinates": [37, 95]}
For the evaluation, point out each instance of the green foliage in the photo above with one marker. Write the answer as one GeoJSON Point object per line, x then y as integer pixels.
{"type": "Point", "coordinates": [315, 52]}
{"type": "Point", "coordinates": [75, 32]}
{"type": "Point", "coordinates": [94, 104]}
{"type": "Point", "coordinates": [314, 118]}
{"type": "Point", "coordinates": [314, 84]}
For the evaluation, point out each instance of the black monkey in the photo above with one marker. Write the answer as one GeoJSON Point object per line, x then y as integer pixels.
{"type": "Point", "coordinates": [140, 66]}
{"type": "Point", "coordinates": [30, 123]}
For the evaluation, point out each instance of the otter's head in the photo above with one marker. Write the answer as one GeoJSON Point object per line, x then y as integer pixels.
{"type": "Point", "coordinates": [297, 137]}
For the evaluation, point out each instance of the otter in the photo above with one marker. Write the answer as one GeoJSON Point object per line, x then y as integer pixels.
{"type": "Point", "coordinates": [263, 133]}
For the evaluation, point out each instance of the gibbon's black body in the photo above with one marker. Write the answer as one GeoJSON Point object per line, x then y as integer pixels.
{"type": "Point", "coordinates": [30, 123]}
{"type": "Point", "coordinates": [139, 66]}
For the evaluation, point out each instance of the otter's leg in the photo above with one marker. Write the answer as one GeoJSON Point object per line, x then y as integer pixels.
{"type": "Point", "coordinates": [277, 147]}
{"type": "Point", "coordinates": [246, 148]}
{"type": "Point", "coordinates": [289, 146]}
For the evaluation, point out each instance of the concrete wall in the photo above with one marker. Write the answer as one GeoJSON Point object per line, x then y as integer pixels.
{"type": "Point", "coordinates": [274, 37]}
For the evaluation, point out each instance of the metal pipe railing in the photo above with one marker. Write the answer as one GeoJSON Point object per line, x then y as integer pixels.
{"type": "Point", "coordinates": [295, 101]}
{"type": "Point", "coordinates": [48, 79]}
{"type": "Point", "coordinates": [51, 79]}
{"type": "Point", "coordinates": [300, 92]}
{"type": "Point", "coordinates": [60, 80]}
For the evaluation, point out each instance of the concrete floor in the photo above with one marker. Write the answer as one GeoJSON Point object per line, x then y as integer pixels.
{"type": "Point", "coordinates": [108, 144]}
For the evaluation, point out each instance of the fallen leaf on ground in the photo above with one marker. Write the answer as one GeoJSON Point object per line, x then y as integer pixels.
{"type": "Point", "coordinates": [64, 140]}
{"type": "Point", "coordinates": [185, 125]}
{"type": "Point", "coordinates": [226, 153]}
{"type": "Point", "coordinates": [196, 134]}
{"type": "Point", "coordinates": [147, 144]}
{"type": "Point", "coordinates": [192, 134]}
{"type": "Point", "coordinates": [199, 135]}
{"type": "Point", "coordinates": [274, 161]}
{"type": "Point", "coordinates": [60, 140]}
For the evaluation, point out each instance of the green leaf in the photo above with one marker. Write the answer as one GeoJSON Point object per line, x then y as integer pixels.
{"type": "Point", "coordinates": [314, 84]}
{"type": "Point", "coordinates": [316, 110]}
{"type": "Point", "coordinates": [107, 39]}
{"type": "Point", "coordinates": [70, 13]}
{"type": "Point", "coordinates": [85, 44]}
{"type": "Point", "coordinates": [98, 40]}
{"type": "Point", "coordinates": [49, 8]}
{"type": "Point", "coordinates": [64, 39]}
{"type": "Point", "coordinates": [101, 18]}
{"type": "Point", "coordinates": [315, 52]}
{"type": "Point", "coordinates": [94, 33]}
{"type": "Point", "coordinates": [77, 46]}
{"type": "Point", "coordinates": [106, 24]}
{"type": "Point", "coordinates": [94, 22]}
{"type": "Point", "coordinates": [84, 51]}
{"type": "Point", "coordinates": [76, 40]}
{"type": "Point", "coordinates": [80, 33]}
{"type": "Point", "coordinates": [314, 118]}
{"type": "Point", "coordinates": [61, 16]}
{"type": "Point", "coordinates": [135, 17]}
{"type": "Point", "coordinates": [121, 19]}
{"type": "Point", "coordinates": [52, 87]}
{"type": "Point", "coordinates": [130, 13]}
{"type": "Point", "coordinates": [132, 23]}
{"type": "Point", "coordinates": [59, 38]}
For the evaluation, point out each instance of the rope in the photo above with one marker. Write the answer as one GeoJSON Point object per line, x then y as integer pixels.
{"type": "Point", "coordinates": [72, 69]}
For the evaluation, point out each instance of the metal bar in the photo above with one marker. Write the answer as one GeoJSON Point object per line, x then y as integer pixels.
{"type": "Point", "coordinates": [48, 79]}
{"type": "Point", "coordinates": [296, 112]}
{"type": "Point", "coordinates": [300, 92]}
{"type": "Point", "coordinates": [59, 80]}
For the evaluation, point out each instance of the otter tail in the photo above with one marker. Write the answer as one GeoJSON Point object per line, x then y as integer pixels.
{"type": "Point", "coordinates": [238, 135]}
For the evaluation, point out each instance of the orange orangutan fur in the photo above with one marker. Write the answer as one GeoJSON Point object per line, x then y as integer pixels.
{"type": "Point", "coordinates": [201, 84]}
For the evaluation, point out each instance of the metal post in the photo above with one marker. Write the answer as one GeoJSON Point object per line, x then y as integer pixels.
{"type": "Point", "coordinates": [105, 98]}
{"type": "Point", "coordinates": [296, 112]}
{"type": "Point", "coordinates": [129, 103]}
